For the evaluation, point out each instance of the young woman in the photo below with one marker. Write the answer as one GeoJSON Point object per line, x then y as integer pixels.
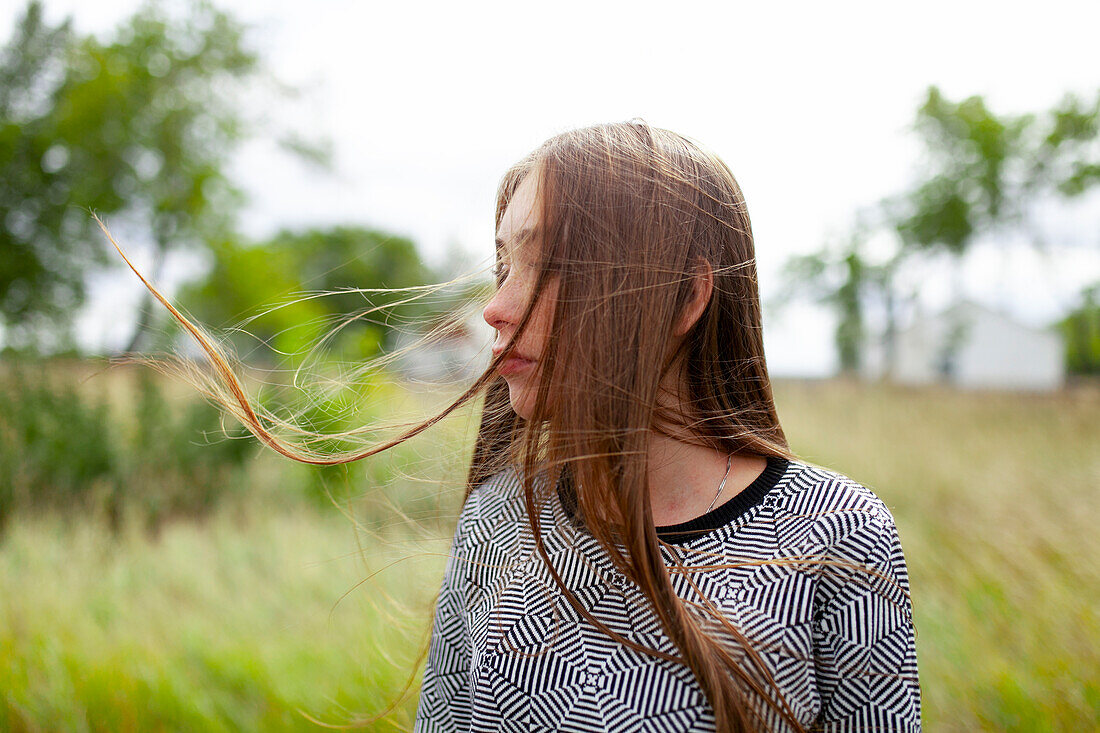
{"type": "Point", "coordinates": [638, 549]}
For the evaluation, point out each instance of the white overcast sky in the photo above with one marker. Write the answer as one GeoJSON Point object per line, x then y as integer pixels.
{"type": "Point", "coordinates": [809, 103]}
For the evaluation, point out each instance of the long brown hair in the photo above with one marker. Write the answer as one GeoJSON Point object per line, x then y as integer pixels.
{"type": "Point", "coordinates": [628, 213]}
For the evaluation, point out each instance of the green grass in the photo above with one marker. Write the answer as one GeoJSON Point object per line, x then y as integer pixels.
{"type": "Point", "coordinates": [234, 624]}
{"type": "Point", "coordinates": [240, 622]}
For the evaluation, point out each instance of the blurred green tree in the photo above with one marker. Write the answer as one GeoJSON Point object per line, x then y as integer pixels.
{"type": "Point", "coordinates": [842, 278]}
{"type": "Point", "coordinates": [983, 174]}
{"type": "Point", "coordinates": [140, 127]}
{"type": "Point", "coordinates": [43, 241]}
{"type": "Point", "coordinates": [1081, 329]}
{"type": "Point", "coordinates": [308, 284]}
{"type": "Point", "coordinates": [328, 299]}
{"type": "Point", "coordinates": [972, 181]}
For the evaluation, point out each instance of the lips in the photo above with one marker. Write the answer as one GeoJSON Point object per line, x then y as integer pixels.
{"type": "Point", "coordinates": [513, 364]}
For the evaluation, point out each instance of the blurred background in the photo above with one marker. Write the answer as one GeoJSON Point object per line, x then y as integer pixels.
{"type": "Point", "coordinates": [924, 184]}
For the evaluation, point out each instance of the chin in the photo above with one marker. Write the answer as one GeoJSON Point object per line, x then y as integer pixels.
{"type": "Point", "coordinates": [522, 401]}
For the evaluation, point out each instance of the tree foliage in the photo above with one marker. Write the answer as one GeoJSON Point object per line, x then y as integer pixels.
{"type": "Point", "coordinates": [984, 173]}
{"type": "Point", "coordinates": [139, 126]}
{"type": "Point", "coordinates": [1081, 330]}
{"type": "Point", "coordinates": [842, 278]}
{"type": "Point", "coordinates": [42, 240]}
{"type": "Point", "coordinates": [972, 155]}
{"type": "Point", "coordinates": [308, 284]}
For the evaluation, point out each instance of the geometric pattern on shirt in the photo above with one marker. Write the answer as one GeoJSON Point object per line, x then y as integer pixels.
{"type": "Point", "coordinates": [508, 653]}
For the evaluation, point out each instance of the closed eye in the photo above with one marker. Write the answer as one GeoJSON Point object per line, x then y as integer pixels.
{"type": "Point", "coordinates": [500, 272]}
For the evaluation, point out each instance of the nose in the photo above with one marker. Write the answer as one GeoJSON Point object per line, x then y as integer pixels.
{"type": "Point", "coordinates": [500, 311]}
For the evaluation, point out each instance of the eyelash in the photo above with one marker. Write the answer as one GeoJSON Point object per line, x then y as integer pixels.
{"type": "Point", "coordinates": [500, 271]}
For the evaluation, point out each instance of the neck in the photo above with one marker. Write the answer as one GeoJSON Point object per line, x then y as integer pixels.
{"type": "Point", "coordinates": [684, 478]}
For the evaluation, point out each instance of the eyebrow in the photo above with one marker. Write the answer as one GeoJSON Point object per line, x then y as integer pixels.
{"type": "Point", "coordinates": [523, 236]}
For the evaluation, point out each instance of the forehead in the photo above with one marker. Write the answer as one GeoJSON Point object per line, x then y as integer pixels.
{"type": "Point", "coordinates": [521, 217]}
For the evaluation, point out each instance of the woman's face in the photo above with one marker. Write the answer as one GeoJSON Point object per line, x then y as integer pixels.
{"type": "Point", "coordinates": [518, 258]}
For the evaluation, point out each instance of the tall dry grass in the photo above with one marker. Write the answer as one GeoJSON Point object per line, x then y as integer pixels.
{"type": "Point", "coordinates": [997, 498]}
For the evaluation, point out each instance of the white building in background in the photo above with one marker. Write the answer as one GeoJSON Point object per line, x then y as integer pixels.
{"type": "Point", "coordinates": [972, 347]}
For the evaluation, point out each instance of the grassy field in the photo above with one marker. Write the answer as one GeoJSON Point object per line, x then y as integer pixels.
{"type": "Point", "coordinates": [259, 618]}
{"type": "Point", "coordinates": [997, 499]}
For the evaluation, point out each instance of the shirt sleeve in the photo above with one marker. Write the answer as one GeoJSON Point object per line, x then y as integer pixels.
{"type": "Point", "coordinates": [864, 640]}
{"type": "Point", "coordinates": [445, 691]}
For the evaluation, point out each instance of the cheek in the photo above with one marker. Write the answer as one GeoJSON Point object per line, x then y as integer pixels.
{"type": "Point", "coordinates": [542, 319]}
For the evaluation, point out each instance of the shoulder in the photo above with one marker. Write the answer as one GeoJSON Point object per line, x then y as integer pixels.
{"type": "Point", "coordinates": [492, 505]}
{"type": "Point", "coordinates": [828, 512]}
{"type": "Point", "coordinates": [813, 489]}
{"type": "Point", "coordinates": [850, 529]}
{"type": "Point", "coordinates": [492, 496]}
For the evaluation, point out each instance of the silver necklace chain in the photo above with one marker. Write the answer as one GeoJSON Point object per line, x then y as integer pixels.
{"type": "Point", "coordinates": [729, 463]}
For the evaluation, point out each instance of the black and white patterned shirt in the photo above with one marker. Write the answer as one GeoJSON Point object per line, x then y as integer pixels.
{"type": "Point", "coordinates": [508, 653]}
